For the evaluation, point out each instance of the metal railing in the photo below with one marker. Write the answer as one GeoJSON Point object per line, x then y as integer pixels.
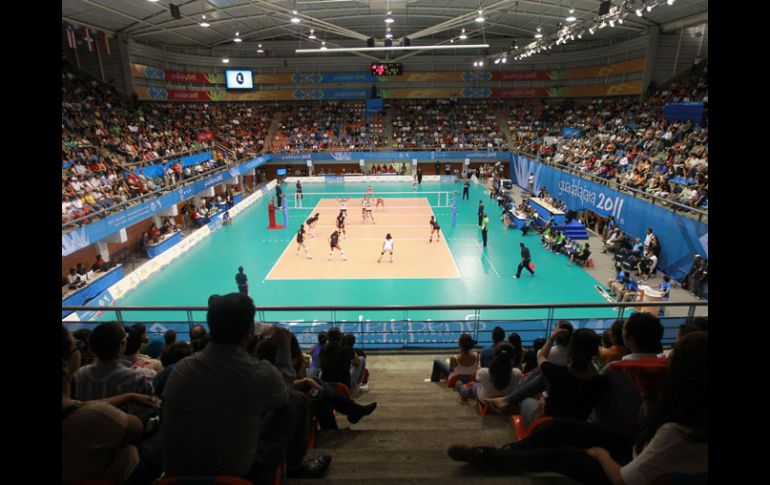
{"type": "Point", "coordinates": [144, 197]}
{"type": "Point", "coordinates": [443, 332]}
{"type": "Point", "coordinates": [160, 160]}
{"type": "Point", "coordinates": [695, 212]}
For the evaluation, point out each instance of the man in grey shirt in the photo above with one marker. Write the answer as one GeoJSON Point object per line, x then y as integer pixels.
{"type": "Point", "coordinates": [227, 413]}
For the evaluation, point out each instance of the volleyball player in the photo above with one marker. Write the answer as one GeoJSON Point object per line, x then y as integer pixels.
{"type": "Point", "coordinates": [414, 183]}
{"type": "Point", "coordinates": [380, 202]}
{"type": "Point", "coordinates": [434, 227]}
{"type": "Point", "coordinates": [334, 243]}
{"type": "Point", "coordinates": [311, 224]}
{"type": "Point", "coordinates": [344, 206]}
{"type": "Point", "coordinates": [368, 211]}
{"type": "Point", "coordinates": [341, 225]}
{"type": "Point", "coordinates": [298, 195]}
{"type": "Point", "coordinates": [301, 241]}
{"type": "Point", "coordinates": [387, 246]}
{"type": "Point", "coordinates": [370, 192]}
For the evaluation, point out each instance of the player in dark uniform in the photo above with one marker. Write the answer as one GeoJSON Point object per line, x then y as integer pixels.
{"type": "Point", "coordinates": [434, 228]}
{"type": "Point", "coordinates": [242, 281]}
{"type": "Point", "coordinates": [341, 225]}
{"type": "Point", "coordinates": [311, 224]}
{"type": "Point", "coordinates": [301, 242]}
{"type": "Point", "coordinates": [298, 195]}
{"type": "Point", "coordinates": [334, 243]}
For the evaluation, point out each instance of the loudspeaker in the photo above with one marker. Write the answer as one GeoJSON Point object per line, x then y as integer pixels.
{"type": "Point", "coordinates": [407, 42]}
{"type": "Point", "coordinates": [370, 42]}
{"type": "Point", "coordinates": [174, 11]}
{"type": "Point", "coordinates": [604, 7]}
{"type": "Point", "coordinates": [388, 42]}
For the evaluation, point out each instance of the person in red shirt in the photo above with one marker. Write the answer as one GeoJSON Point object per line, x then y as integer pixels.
{"type": "Point", "coordinates": [154, 231]}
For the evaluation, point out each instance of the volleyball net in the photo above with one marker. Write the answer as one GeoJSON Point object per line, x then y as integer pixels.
{"type": "Point", "coordinates": [308, 200]}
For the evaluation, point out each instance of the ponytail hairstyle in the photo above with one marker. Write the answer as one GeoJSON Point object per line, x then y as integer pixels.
{"type": "Point", "coordinates": [501, 365]}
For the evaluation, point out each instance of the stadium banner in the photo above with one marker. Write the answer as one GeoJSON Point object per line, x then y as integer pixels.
{"type": "Point", "coordinates": [83, 236]}
{"type": "Point", "coordinates": [572, 132]}
{"type": "Point", "coordinates": [684, 112]}
{"type": "Point", "coordinates": [157, 170]}
{"type": "Point", "coordinates": [387, 156]}
{"type": "Point", "coordinates": [145, 93]}
{"type": "Point", "coordinates": [681, 237]}
{"type": "Point", "coordinates": [626, 67]}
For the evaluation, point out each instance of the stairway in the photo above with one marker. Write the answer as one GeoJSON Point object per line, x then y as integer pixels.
{"type": "Point", "coordinates": [387, 129]}
{"type": "Point", "coordinates": [574, 230]}
{"type": "Point", "coordinates": [405, 440]}
{"type": "Point", "coordinates": [502, 121]}
{"type": "Point", "coordinates": [274, 124]}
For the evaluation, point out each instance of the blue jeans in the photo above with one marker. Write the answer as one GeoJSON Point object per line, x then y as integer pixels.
{"type": "Point", "coordinates": [440, 370]}
{"type": "Point", "coordinates": [470, 392]}
{"type": "Point", "coordinates": [357, 374]}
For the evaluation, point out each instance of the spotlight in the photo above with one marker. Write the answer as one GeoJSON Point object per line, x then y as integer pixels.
{"type": "Point", "coordinates": [203, 22]}
{"type": "Point", "coordinates": [312, 35]}
{"type": "Point", "coordinates": [571, 18]}
{"type": "Point", "coordinates": [323, 45]}
{"type": "Point", "coordinates": [389, 19]}
{"type": "Point", "coordinates": [259, 49]}
{"type": "Point", "coordinates": [463, 36]}
{"type": "Point", "coordinates": [497, 61]}
{"type": "Point", "coordinates": [538, 36]}
{"type": "Point", "coordinates": [612, 24]}
{"type": "Point", "coordinates": [480, 18]}
{"type": "Point", "coordinates": [638, 12]}
{"type": "Point", "coordinates": [670, 2]}
{"type": "Point", "coordinates": [226, 60]}
{"type": "Point", "coordinates": [294, 18]}
{"type": "Point", "coordinates": [237, 39]}
{"type": "Point", "coordinates": [505, 59]}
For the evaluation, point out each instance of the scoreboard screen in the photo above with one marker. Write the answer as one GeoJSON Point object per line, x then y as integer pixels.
{"type": "Point", "coordinates": [389, 69]}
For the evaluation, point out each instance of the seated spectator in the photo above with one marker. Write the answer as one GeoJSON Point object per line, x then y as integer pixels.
{"type": "Point", "coordinates": [171, 355]}
{"type": "Point", "coordinates": [556, 349]}
{"type": "Point", "coordinates": [315, 356]}
{"type": "Point", "coordinates": [674, 439]}
{"type": "Point", "coordinates": [226, 413]}
{"type": "Point", "coordinates": [573, 389]}
{"type": "Point", "coordinates": [485, 358]}
{"type": "Point", "coordinates": [630, 288]}
{"type": "Point", "coordinates": [100, 264]}
{"type": "Point", "coordinates": [465, 364]}
{"type": "Point", "coordinates": [74, 280]}
{"type": "Point", "coordinates": [98, 439]}
{"type": "Point", "coordinates": [83, 272]}
{"type": "Point", "coordinates": [356, 370]}
{"type": "Point", "coordinates": [530, 356]}
{"type": "Point", "coordinates": [83, 336]}
{"type": "Point", "coordinates": [110, 375]}
{"type": "Point", "coordinates": [696, 324]}
{"type": "Point", "coordinates": [336, 359]}
{"type": "Point", "coordinates": [580, 256]}
{"type": "Point", "coordinates": [642, 335]}
{"type": "Point", "coordinates": [616, 350]}
{"type": "Point", "coordinates": [155, 349]}
{"type": "Point", "coordinates": [518, 356]}
{"type": "Point", "coordinates": [169, 338]}
{"type": "Point", "coordinates": [499, 379]}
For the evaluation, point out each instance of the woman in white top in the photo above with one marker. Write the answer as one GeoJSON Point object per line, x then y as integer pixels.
{"type": "Point", "coordinates": [674, 440]}
{"type": "Point", "coordinates": [465, 364]}
{"type": "Point", "coordinates": [499, 379]}
{"type": "Point", "coordinates": [387, 246]}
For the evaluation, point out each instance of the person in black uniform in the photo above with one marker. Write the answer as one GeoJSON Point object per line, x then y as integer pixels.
{"type": "Point", "coordinates": [279, 195]}
{"type": "Point", "coordinates": [311, 224]}
{"type": "Point", "coordinates": [434, 228]}
{"type": "Point", "coordinates": [341, 225]}
{"type": "Point", "coordinates": [484, 228]}
{"type": "Point", "coordinates": [481, 211]}
{"type": "Point", "coordinates": [438, 168]}
{"type": "Point", "coordinates": [242, 281]}
{"type": "Point", "coordinates": [466, 186]}
{"type": "Point", "coordinates": [526, 259]}
{"type": "Point", "coordinates": [301, 242]}
{"type": "Point", "coordinates": [419, 176]}
{"type": "Point", "coordinates": [334, 243]}
{"type": "Point", "coordinates": [298, 195]}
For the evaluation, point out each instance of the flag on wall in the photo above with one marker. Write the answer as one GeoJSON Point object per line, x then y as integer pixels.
{"type": "Point", "coordinates": [103, 42]}
{"type": "Point", "coordinates": [71, 40]}
{"type": "Point", "coordinates": [89, 40]}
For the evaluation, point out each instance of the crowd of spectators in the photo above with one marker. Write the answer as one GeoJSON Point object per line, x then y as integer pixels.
{"type": "Point", "coordinates": [446, 124]}
{"type": "Point", "coordinates": [326, 125]}
{"type": "Point", "coordinates": [624, 140]}
{"type": "Point", "coordinates": [236, 400]}
{"type": "Point", "coordinates": [585, 412]}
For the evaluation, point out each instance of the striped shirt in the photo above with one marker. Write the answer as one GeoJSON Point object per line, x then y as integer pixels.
{"type": "Point", "coordinates": [104, 379]}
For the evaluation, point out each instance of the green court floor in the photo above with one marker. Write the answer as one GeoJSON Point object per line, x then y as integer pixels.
{"type": "Point", "coordinates": [210, 268]}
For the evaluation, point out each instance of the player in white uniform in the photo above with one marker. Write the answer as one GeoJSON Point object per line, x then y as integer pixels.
{"type": "Point", "coordinates": [380, 202]}
{"type": "Point", "coordinates": [367, 210]}
{"type": "Point", "coordinates": [387, 246]}
{"type": "Point", "coordinates": [344, 206]}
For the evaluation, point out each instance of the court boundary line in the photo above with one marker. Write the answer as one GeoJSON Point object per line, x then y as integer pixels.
{"type": "Point", "coordinates": [281, 256]}
{"type": "Point", "coordinates": [446, 241]}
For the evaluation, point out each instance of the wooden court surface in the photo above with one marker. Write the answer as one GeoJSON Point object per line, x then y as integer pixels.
{"type": "Point", "coordinates": [407, 221]}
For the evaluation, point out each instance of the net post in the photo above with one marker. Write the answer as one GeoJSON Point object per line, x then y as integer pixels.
{"type": "Point", "coordinates": [285, 212]}
{"type": "Point", "coordinates": [454, 209]}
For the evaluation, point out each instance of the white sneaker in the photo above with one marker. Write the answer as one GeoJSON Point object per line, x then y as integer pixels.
{"type": "Point", "coordinates": [364, 388]}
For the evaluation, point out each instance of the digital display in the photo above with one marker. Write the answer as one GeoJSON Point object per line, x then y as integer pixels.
{"type": "Point", "coordinates": [281, 171]}
{"type": "Point", "coordinates": [389, 69]}
{"type": "Point", "coordinates": [239, 79]}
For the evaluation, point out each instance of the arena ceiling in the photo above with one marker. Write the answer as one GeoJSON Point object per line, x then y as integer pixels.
{"type": "Point", "coordinates": [352, 22]}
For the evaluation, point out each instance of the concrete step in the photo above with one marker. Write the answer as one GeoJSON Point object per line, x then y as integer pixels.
{"type": "Point", "coordinates": [360, 440]}
{"type": "Point", "coordinates": [469, 422]}
{"type": "Point", "coordinates": [470, 478]}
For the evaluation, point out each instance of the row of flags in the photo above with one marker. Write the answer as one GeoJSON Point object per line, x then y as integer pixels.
{"type": "Point", "coordinates": [93, 39]}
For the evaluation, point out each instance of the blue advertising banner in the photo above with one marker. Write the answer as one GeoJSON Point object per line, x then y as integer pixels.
{"type": "Point", "coordinates": [572, 132]}
{"type": "Point", "coordinates": [332, 93]}
{"type": "Point", "coordinates": [684, 112]}
{"type": "Point", "coordinates": [157, 170]}
{"type": "Point", "coordinates": [681, 237]}
{"type": "Point", "coordinates": [96, 231]}
{"type": "Point", "coordinates": [388, 156]}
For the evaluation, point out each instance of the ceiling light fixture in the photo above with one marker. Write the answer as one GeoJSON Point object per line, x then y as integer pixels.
{"type": "Point", "coordinates": [497, 61]}
{"type": "Point", "coordinates": [394, 48]}
{"type": "Point", "coordinates": [294, 18]}
{"type": "Point", "coordinates": [571, 18]}
{"type": "Point", "coordinates": [463, 36]}
{"type": "Point", "coordinates": [650, 7]}
{"type": "Point", "coordinates": [323, 45]}
{"type": "Point", "coordinates": [638, 12]}
{"type": "Point", "coordinates": [388, 35]}
{"type": "Point", "coordinates": [226, 60]}
{"type": "Point", "coordinates": [312, 35]}
{"type": "Point", "coordinates": [505, 59]}
{"type": "Point", "coordinates": [480, 18]}
{"type": "Point", "coordinates": [237, 39]}
{"type": "Point", "coordinates": [203, 22]}
{"type": "Point", "coordinates": [538, 36]}
{"type": "Point", "coordinates": [259, 49]}
{"type": "Point", "coordinates": [670, 2]}
{"type": "Point", "coordinates": [389, 19]}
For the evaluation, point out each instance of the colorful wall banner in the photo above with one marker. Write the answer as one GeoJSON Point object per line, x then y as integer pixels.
{"type": "Point", "coordinates": [681, 237]}
{"type": "Point", "coordinates": [83, 236]}
{"type": "Point", "coordinates": [387, 156]}
{"type": "Point", "coordinates": [625, 67]}
{"type": "Point", "coordinates": [162, 94]}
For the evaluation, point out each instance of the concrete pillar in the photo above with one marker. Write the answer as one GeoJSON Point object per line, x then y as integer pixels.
{"type": "Point", "coordinates": [125, 62]}
{"type": "Point", "coordinates": [103, 250]}
{"type": "Point", "coordinates": [653, 39]}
